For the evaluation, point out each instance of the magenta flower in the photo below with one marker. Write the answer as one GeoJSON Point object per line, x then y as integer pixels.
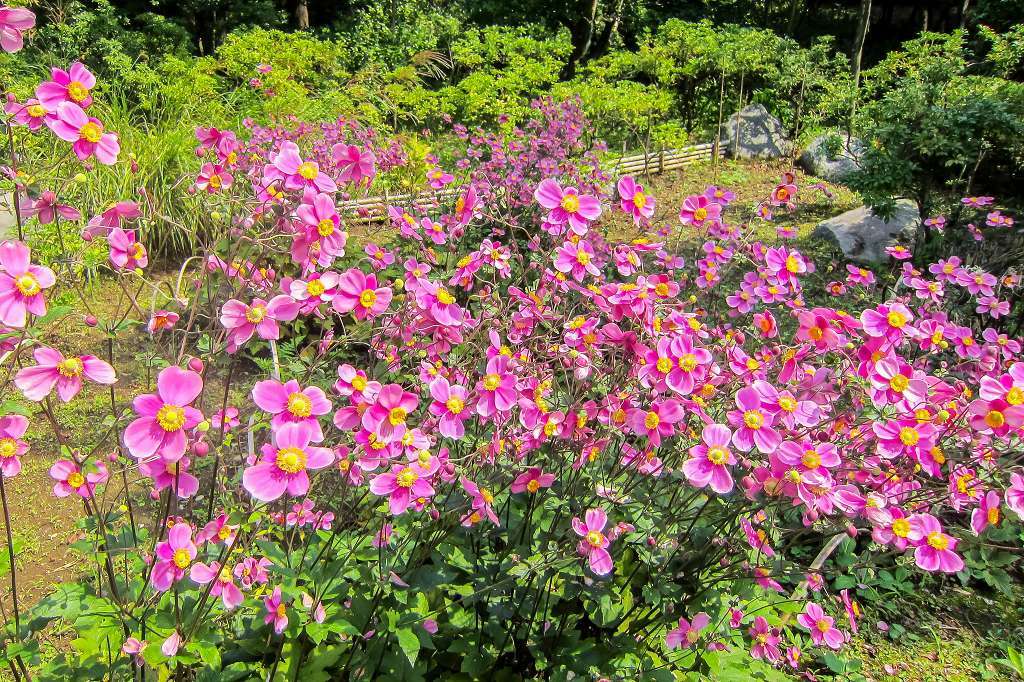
{"type": "Point", "coordinates": [821, 626]}
{"type": "Point", "coordinates": [356, 166]}
{"type": "Point", "coordinates": [633, 200]}
{"type": "Point", "coordinates": [53, 369]}
{"type": "Point", "coordinates": [359, 294]}
{"type": "Point", "coordinates": [753, 423]}
{"type": "Point", "coordinates": [995, 416]}
{"type": "Point", "coordinates": [277, 612]}
{"type": "Point", "coordinates": [594, 544]}
{"type": "Point", "coordinates": [71, 480]}
{"type": "Point", "coordinates": [162, 319]}
{"type": "Point", "coordinates": [252, 571]}
{"type": "Point", "coordinates": [532, 480]}
{"type": "Point", "coordinates": [687, 634]}
{"type": "Point", "coordinates": [887, 321]}
{"type": "Point", "coordinates": [719, 195]}
{"type": "Point", "coordinates": [934, 549]}
{"type": "Point", "coordinates": [13, 21]}
{"type": "Point", "coordinates": [287, 165]}
{"type": "Point", "coordinates": [766, 641]}
{"type": "Point", "coordinates": [987, 513]}
{"type": "Point", "coordinates": [291, 404]}
{"type": "Point", "coordinates": [12, 446]}
{"type": "Point", "coordinates": [323, 224]}
{"type": "Point", "coordinates": [125, 252]}
{"type": "Point", "coordinates": [213, 178]}
{"type": "Point", "coordinates": [46, 209]}
{"type": "Point", "coordinates": [1014, 495]}
{"type": "Point", "coordinates": [285, 463]}
{"type": "Point", "coordinates": [783, 194]}
{"type": "Point", "coordinates": [31, 113]}
{"type": "Point", "coordinates": [165, 416]}
{"type": "Point", "coordinates": [223, 582]}
{"type": "Point", "coordinates": [406, 483]}
{"type": "Point", "coordinates": [698, 209]}
{"type": "Point", "coordinates": [259, 317]}
{"type": "Point", "coordinates": [437, 178]}
{"type": "Point", "coordinates": [85, 133]}
{"type": "Point", "coordinates": [21, 285]}
{"type": "Point", "coordinates": [451, 404]}
{"type": "Point", "coordinates": [657, 422]}
{"type": "Point", "coordinates": [567, 205]}
{"type": "Point", "coordinates": [710, 461]}
{"type": "Point", "coordinates": [173, 557]}
{"type": "Point", "coordinates": [71, 86]}
{"type": "Point", "coordinates": [576, 259]}
{"type": "Point", "coordinates": [386, 417]}
{"type": "Point", "coordinates": [496, 389]}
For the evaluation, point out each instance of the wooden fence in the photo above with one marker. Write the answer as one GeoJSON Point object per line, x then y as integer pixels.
{"type": "Point", "coordinates": [375, 208]}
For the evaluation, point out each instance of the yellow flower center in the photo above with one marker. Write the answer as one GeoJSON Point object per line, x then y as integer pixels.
{"type": "Point", "coordinates": [407, 477]}
{"type": "Point", "coordinates": [811, 459]}
{"type": "Point", "coordinates": [444, 297]}
{"type": "Point", "coordinates": [993, 516]}
{"type": "Point", "coordinates": [909, 436]}
{"type": "Point", "coordinates": [325, 228]}
{"type": "Point", "coordinates": [300, 405]}
{"type": "Point", "coordinates": [640, 200]}
{"type": "Point", "coordinates": [397, 416]}
{"type": "Point", "coordinates": [595, 538]}
{"type": "Point", "coordinates": [70, 367]}
{"type": "Point", "coordinates": [900, 528]}
{"type": "Point", "coordinates": [77, 92]}
{"type": "Point", "coordinates": [1015, 396]}
{"type": "Point", "coordinates": [8, 448]}
{"type": "Point", "coordinates": [28, 285]}
{"type": "Point", "coordinates": [787, 404]}
{"type": "Point", "coordinates": [753, 419]}
{"type": "Point", "coordinates": [823, 625]}
{"type": "Point", "coordinates": [937, 540]}
{"type": "Point", "coordinates": [899, 383]}
{"type": "Point", "coordinates": [688, 362]}
{"type": "Point", "coordinates": [359, 382]}
{"type": "Point", "coordinates": [182, 558]}
{"type": "Point", "coordinates": [225, 575]}
{"type": "Point", "coordinates": [91, 132]}
{"type": "Point", "coordinates": [281, 611]}
{"type": "Point", "coordinates": [309, 170]}
{"type": "Point", "coordinates": [256, 314]}
{"type": "Point", "coordinates": [224, 533]}
{"type": "Point", "coordinates": [138, 251]}
{"type": "Point", "coordinates": [368, 298]}
{"type": "Point", "coordinates": [315, 288]}
{"type": "Point", "coordinates": [896, 319]}
{"type": "Point", "coordinates": [455, 405]}
{"type": "Point", "coordinates": [571, 203]}
{"type": "Point", "coordinates": [36, 110]}
{"type": "Point", "coordinates": [533, 485]}
{"type": "Point", "coordinates": [664, 365]}
{"type": "Point", "coordinates": [492, 381]}
{"type": "Point", "coordinates": [700, 214]}
{"type": "Point", "coordinates": [215, 181]}
{"type": "Point", "coordinates": [170, 417]}
{"type": "Point", "coordinates": [792, 264]}
{"type": "Point", "coordinates": [582, 257]}
{"type": "Point", "coordinates": [995, 419]}
{"type": "Point", "coordinates": [652, 420]}
{"type": "Point", "coordinates": [718, 455]}
{"type": "Point", "coordinates": [291, 460]}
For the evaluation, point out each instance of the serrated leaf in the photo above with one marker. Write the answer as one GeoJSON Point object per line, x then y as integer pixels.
{"type": "Point", "coordinates": [410, 643]}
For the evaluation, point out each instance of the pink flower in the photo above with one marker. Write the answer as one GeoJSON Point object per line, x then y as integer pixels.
{"type": "Point", "coordinates": [934, 549]}
{"type": "Point", "coordinates": [766, 641]}
{"type": "Point", "coordinates": [451, 403]}
{"type": "Point", "coordinates": [359, 294]}
{"type": "Point", "coordinates": [567, 205]}
{"type": "Point", "coordinates": [386, 417]}
{"type": "Point", "coordinates": [85, 133]}
{"type": "Point", "coordinates": [53, 369]}
{"type": "Point", "coordinates": [406, 483]}
{"type": "Point", "coordinates": [223, 582]}
{"type": "Point", "coordinates": [710, 461]}
{"type": "Point", "coordinates": [171, 474]}
{"type": "Point", "coordinates": [437, 178]}
{"type": "Point", "coordinates": [289, 403]}
{"type": "Point", "coordinates": [165, 416]}
{"type": "Point", "coordinates": [259, 317]}
{"type": "Point", "coordinates": [821, 626]}
{"type": "Point", "coordinates": [496, 389]}
{"type": "Point", "coordinates": [576, 259]}
{"type": "Point", "coordinates": [698, 209]}
{"type": "Point", "coordinates": [125, 252]}
{"type": "Point", "coordinates": [356, 166]}
{"type": "Point", "coordinates": [162, 319]}
{"type": "Point", "coordinates": [14, 20]}
{"type": "Point", "coordinates": [277, 612]}
{"type": "Point", "coordinates": [171, 645]}
{"type": "Point", "coordinates": [657, 422]}
{"type": "Point", "coordinates": [323, 225]}
{"type": "Point", "coordinates": [46, 209]}
{"type": "Point", "coordinates": [594, 544]}
{"type": "Point", "coordinates": [21, 285]}
{"type": "Point", "coordinates": [633, 200]}
{"type": "Point", "coordinates": [987, 513]}
{"type": "Point", "coordinates": [213, 178]}
{"type": "Point", "coordinates": [719, 195]}
{"type": "Point", "coordinates": [687, 633]}
{"type": "Point", "coordinates": [285, 463]}
{"type": "Point", "coordinates": [29, 113]}
{"type": "Point", "coordinates": [1014, 495]}
{"type": "Point", "coordinates": [173, 557]}
{"type": "Point", "coordinates": [70, 479]}
{"type": "Point", "coordinates": [71, 86]}
{"type": "Point", "coordinates": [12, 447]}
{"type": "Point", "coordinates": [532, 480]}
{"type": "Point", "coordinates": [888, 321]}
{"type": "Point", "coordinates": [753, 423]}
{"type": "Point", "coordinates": [287, 165]}
{"type": "Point", "coordinates": [995, 416]}
{"type": "Point", "coordinates": [252, 571]}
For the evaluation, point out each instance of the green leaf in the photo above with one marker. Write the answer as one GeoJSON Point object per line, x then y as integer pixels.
{"type": "Point", "coordinates": [410, 643]}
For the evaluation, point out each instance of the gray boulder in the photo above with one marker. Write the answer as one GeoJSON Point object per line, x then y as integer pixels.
{"type": "Point", "coordinates": [761, 135]}
{"type": "Point", "coordinates": [819, 160]}
{"type": "Point", "coordinates": [863, 236]}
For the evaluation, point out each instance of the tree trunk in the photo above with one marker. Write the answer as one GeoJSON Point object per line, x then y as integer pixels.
{"type": "Point", "coordinates": [963, 13]}
{"type": "Point", "coordinates": [863, 23]}
{"type": "Point", "coordinates": [610, 29]}
{"type": "Point", "coordinates": [302, 14]}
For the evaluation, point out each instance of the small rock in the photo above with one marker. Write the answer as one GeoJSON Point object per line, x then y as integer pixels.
{"type": "Point", "coordinates": [761, 135]}
{"type": "Point", "coordinates": [832, 157]}
{"type": "Point", "coordinates": [862, 236]}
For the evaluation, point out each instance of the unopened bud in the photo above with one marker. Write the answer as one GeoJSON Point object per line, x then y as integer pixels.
{"type": "Point", "coordinates": [91, 321]}
{"type": "Point", "coordinates": [196, 365]}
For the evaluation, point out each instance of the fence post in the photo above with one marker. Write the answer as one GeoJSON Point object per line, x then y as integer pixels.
{"type": "Point", "coordinates": [661, 160]}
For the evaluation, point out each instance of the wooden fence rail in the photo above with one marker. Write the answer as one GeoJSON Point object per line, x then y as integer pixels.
{"type": "Point", "coordinates": [375, 208]}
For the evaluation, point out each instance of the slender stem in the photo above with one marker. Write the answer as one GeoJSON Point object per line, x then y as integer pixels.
{"type": "Point", "coordinates": [10, 554]}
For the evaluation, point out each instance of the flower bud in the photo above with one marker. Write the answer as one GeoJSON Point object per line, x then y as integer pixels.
{"type": "Point", "coordinates": [79, 177]}
{"type": "Point", "coordinates": [215, 215]}
{"type": "Point", "coordinates": [91, 321]}
{"type": "Point", "coordinates": [201, 448]}
{"type": "Point", "coordinates": [203, 426]}
{"type": "Point", "coordinates": [196, 365]}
